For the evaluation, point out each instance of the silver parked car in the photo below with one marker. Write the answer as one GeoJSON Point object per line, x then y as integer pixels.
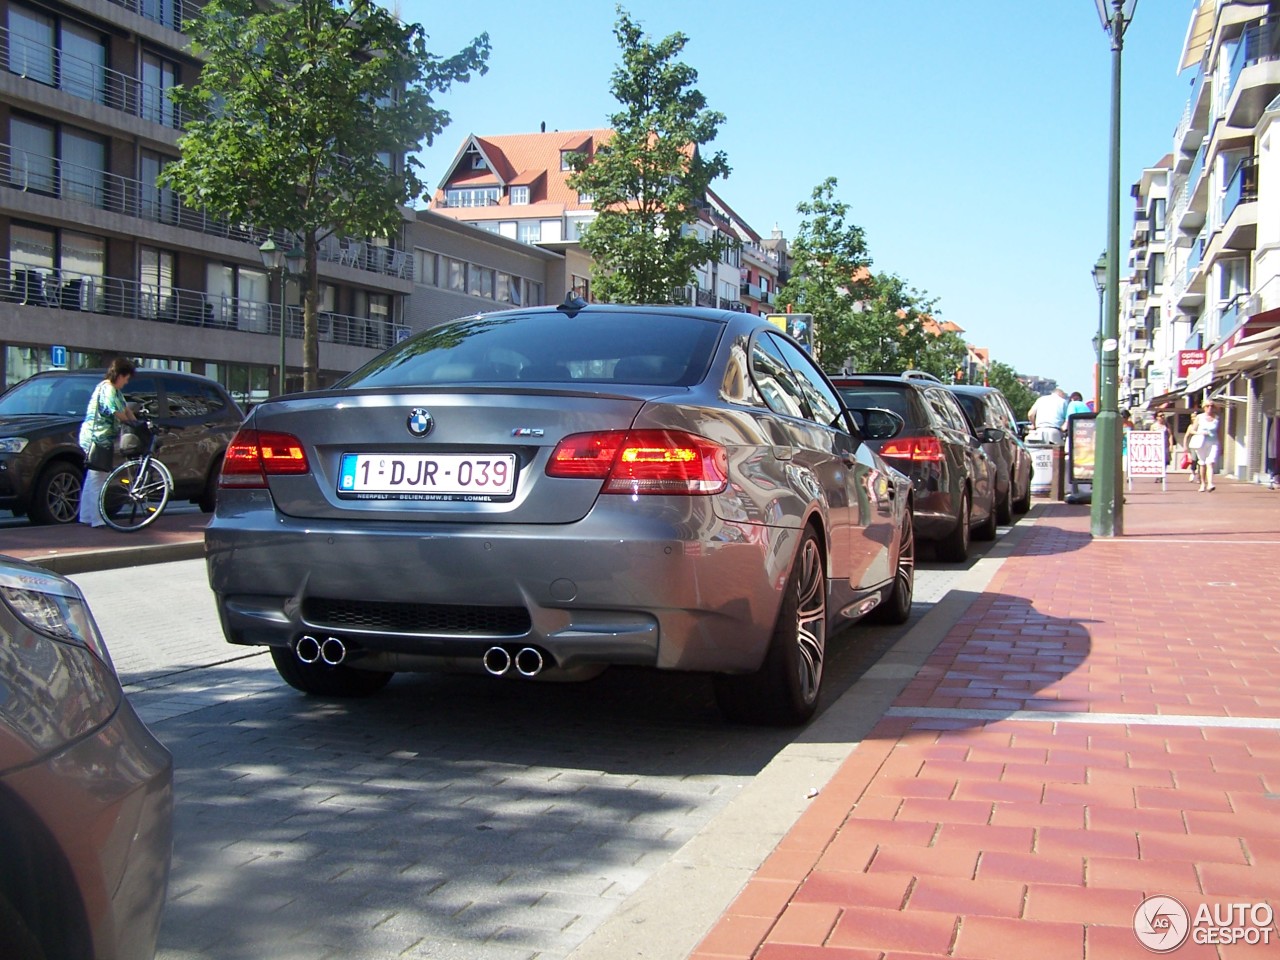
{"type": "Point", "coordinates": [547, 492]}
{"type": "Point", "coordinates": [86, 792]}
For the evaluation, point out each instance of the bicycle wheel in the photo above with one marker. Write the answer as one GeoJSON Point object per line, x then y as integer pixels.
{"type": "Point", "coordinates": [135, 493]}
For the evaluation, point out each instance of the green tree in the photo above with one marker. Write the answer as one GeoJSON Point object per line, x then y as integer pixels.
{"type": "Point", "coordinates": [649, 181]}
{"type": "Point", "coordinates": [295, 110]}
{"type": "Point", "coordinates": [1005, 379]}
{"type": "Point", "coordinates": [831, 278]}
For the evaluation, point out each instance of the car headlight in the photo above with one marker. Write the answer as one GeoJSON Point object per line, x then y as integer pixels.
{"type": "Point", "coordinates": [13, 444]}
{"type": "Point", "coordinates": [49, 606]}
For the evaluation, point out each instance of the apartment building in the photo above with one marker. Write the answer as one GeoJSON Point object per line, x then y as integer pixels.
{"type": "Point", "coordinates": [1147, 342]}
{"type": "Point", "coordinates": [516, 186]}
{"type": "Point", "coordinates": [1217, 292]}
{"type": "Point", "coordinates": [99, 261]}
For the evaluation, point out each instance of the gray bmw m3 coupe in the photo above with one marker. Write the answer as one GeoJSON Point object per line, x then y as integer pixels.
{"type": "Point", "coordinates": [548, 492]}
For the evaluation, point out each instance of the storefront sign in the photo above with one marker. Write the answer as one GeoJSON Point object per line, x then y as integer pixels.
{"type": "Point", "coordinates": [1189, 360]}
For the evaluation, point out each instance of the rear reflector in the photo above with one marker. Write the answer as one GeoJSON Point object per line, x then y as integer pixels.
{"type": "Point", "coordinates": [254, 455]}
{"type": "Point", "coordinates": [642, 461]}
{"type": "Point", "coordinates": [913, 448]}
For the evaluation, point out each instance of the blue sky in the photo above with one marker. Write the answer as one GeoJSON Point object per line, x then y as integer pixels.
{"type": "Point", "coordinates": [970, 140]}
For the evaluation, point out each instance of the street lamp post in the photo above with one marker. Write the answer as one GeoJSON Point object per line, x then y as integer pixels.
{"type": "Point", "coordinates": [1106, 514]}
{"type": "Point", "coordinates": [287, 265]}
{"type": "Point", "coordinates": [1099, 284]}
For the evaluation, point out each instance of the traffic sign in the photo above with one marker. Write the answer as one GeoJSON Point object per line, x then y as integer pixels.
{"type": "Point", "coordinates": [58, 356]}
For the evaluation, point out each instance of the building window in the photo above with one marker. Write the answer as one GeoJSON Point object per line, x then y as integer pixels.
{"type": "Point", "coordinates": [533, 294]}
{"type": "Point", "coordinates": [519, 196]}
{"type": "Point", "coordinates": [471, 197]}
{"type": "Point", "coordinates": [424, 267]}
{"type": "Point", "coordinates": [83, 161]}
{"type": "Point", "coordinates": [580, 287]}
{"type": "Point", "coordinates": [31, 45]}
{"type": "Point", "coordinates": [158, 77]}
{"type": "Point", "coordinates": [584, 198]}
{"type": "Point", "coordinates": [157, 203]}
{"type": "Point", "coordinates": [155, 274]}
{"type": "Point", "coordinates": [565, 157]}
{"type": "Point", "coordinates": [457, 275]}
{"type": "Point", "coordinates": [529, 231]}
{"type": "Point", "coordinates": [83, 63]}
{"type": "Point", "coordinates": [479, 281]}
{"type": "Point", "coordinates": [31, 147]}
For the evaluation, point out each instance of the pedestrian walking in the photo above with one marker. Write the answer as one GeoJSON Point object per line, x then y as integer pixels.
{"type": "Point", "coordinates": [1204, 445]}
{"type": "Point", "coordinates": [1188, 458]}
{"type": "Point", "coordinates": [1077, 405]}
{"type": "Point", "coordinates": [102, 418]}
{"type": "Point", "coordinates": [1048, 415]}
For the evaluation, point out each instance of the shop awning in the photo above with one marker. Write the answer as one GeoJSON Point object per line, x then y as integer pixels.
{"type": "Point", "coordinates": [1252, 351]}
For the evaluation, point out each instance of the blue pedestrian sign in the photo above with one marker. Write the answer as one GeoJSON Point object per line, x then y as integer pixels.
{"type": "Point", "coordinates": [58, 356]}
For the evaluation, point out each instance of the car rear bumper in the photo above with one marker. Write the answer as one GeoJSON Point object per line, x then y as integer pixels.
{"type": "Point", "coordinates": [653, 581]}
{"type": "Point", "coordinates": [107, 800]}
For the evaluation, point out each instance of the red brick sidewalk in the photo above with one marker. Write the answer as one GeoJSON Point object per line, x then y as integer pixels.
{"type": "Point", "coordinates": [74, 547]}
{"type": "Point", "coordinates": [1086, 735]}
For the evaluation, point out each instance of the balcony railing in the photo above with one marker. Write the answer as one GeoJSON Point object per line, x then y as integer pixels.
{"type": "Point", "coordinates": [1229, 315]}
{"type": "Point", "coordinates": [1197, 167]}
{"type": "Point", "coordinates": [1243, 187]}
{"type": "Point", "coordinates": [87, 80]}
{"type": "Point", "coordinates": [1259, 43]}
{"type": "Point", "coordinates": [1195, 256]}
{"type": "Point", "coordinates": [34, 285]}
{"type": "Point", "coordinates": [49, 176]}
{"type": "Point", "coordinates": [168, 13]}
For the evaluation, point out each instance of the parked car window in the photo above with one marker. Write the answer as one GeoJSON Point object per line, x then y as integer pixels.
{"type": "Point", "coordinates": [774, 378]}
{"type": "Point", "coordinates": [193, 399]}
{"type": "Point", "coordinates": [145, 392]}
{"type": "Point", "coordinates": [1006, 418]}
{"type": "Point", "coordinates": [948, 410]}
{"type": "Point", "coordinates": [67, 396]}
{"type": "Point", "coordinates": [975, 408]}
{"type": "Point", "coordinates": [824, 406]}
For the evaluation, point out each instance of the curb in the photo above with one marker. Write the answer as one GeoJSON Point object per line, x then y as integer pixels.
{"type": "Point", "coordinates": [675, 908]}
{"type": "Point", "coordinates": [115, 558]}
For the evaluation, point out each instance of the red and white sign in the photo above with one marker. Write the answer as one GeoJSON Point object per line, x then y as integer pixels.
{"type": "Point", "coordinates": [1189, 360]}
{"type": "Point", "coordinates": [1145, 455]}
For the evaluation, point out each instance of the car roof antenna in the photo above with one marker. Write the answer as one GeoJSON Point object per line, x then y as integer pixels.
{"type": "Point", "coordinates": [572, 304]}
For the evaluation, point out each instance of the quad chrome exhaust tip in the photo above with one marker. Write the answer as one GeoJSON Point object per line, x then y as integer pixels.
{"type": "Point", "coordinates": [330, 651]}
{"type": "Point", "coordinates": [527, 661]}
{"type": "Point", "coordinates": [497, 661]}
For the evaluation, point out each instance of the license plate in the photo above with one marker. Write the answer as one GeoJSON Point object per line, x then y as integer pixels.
{"type": "Point", "coordinates": [419, 476]}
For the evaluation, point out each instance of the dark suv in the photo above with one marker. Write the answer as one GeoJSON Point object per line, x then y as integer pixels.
{"type": "Point", "coordinates": [42, 466]}
{"type": "Point", "coordinates": [987, 407]}
{"type": "Point", "coordinates": [938, 448]}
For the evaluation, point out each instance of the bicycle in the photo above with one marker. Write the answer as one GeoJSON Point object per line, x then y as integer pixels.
{"type": "Point", "coordinates": [136, 492]}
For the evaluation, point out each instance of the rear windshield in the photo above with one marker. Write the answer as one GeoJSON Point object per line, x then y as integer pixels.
{"type": "Point", "coordinates": [878, 396]}
{"type": "Point", "coordinates": [56, 396]}
{"type": "Point", "coordinates": [550, 347]}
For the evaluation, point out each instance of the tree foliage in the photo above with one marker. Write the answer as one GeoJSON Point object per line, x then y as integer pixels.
{"type": "Point", "coordinates": [830, 277]}
{"type": "Point", "coordinates": [649, 181]}
{"type": "Point", "coordinates": [295, 110]}
{"type": "Point", "coordinates": [1005, 379]}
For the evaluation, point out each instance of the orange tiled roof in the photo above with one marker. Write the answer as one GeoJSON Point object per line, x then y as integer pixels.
{"type": "Point", "coordinates": [521, 159]}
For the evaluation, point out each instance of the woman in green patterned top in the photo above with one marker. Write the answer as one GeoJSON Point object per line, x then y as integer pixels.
{"type": "Point", "coordinates": [102, 419]}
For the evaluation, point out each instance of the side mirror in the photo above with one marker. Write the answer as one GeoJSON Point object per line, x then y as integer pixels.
{"type": "Point", "coordinates": [992, 435]}
{"type": "Point", "coordinates": [875, 423]}
{"type": "Point", "coordinates": [1024, 427]}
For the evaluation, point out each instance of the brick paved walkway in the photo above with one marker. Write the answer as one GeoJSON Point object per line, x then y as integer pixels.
{"type": "Point", "coordinates": [1102, 725]}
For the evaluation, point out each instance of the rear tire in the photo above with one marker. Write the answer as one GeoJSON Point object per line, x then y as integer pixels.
{"type": "Point", "coordinates": [1023, 503]}
{"type": "Point", "coordinates": [897, 606]}
{"type": "Point", "coordinates": [1004, 509]}
{"type": "Point", "coordinates": [784, 691]}
{"type": "Point", "coordinates": [208, 498]}
{"type": "Point", "coordinates": [954, 548]}
{"type": "Point", "coordinates": [322, 680]}
{"type": "Point", "coordinates": [56, 496]}
{"type": "Point", "coordinates": [987, 529]}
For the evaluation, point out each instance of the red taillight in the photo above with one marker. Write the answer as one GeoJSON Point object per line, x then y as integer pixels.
{"type": "Point", "coordinates": [253, 455]}
{"type": "Point", "coordinates": [913, 448]}
{"type": "Point", "coordinates": [642, 461]}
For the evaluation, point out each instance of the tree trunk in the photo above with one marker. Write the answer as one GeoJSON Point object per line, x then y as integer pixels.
{"type": "Point", "coordinates": [310, 326]}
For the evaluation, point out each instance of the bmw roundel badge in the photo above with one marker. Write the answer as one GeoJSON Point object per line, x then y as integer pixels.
{"type": "Point", "coordinates": [419, 422]}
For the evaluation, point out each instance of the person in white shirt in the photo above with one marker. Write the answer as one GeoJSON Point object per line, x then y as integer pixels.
{"type": "Point", "coordinates": [1048, 415]}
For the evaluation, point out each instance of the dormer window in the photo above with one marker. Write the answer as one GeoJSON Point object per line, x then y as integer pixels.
{"type": "Point", "coordinates": [565, 157]}
{"type": "Point", "coordinates": [519, 196]}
